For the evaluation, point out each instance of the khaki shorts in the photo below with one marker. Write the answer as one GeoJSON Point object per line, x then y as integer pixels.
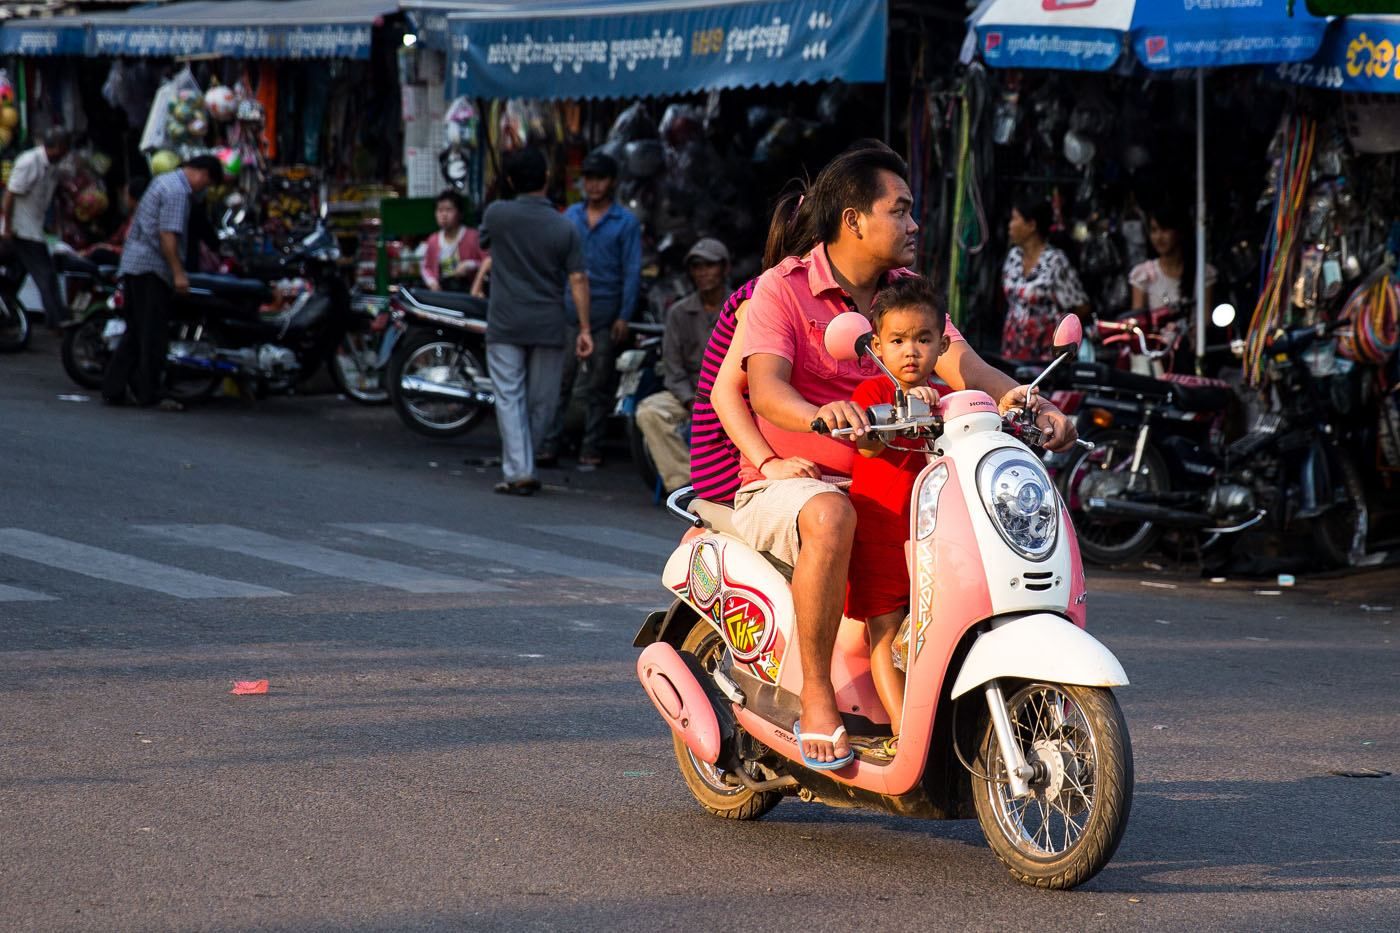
{"type": "Point", "coordinates": [765, 513]}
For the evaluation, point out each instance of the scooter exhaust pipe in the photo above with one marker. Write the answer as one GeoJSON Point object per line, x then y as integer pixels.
{"type": "Point", "coordinates": [1142, 511]}
{"type": "Point", "coordinates": [418, 386]}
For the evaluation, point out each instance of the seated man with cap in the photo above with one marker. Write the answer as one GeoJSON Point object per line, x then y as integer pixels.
{"type": "Point", "coordinates": [664, 416]}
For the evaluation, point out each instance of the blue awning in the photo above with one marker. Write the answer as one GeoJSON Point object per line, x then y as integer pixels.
{"type": "Point", "coordinates": [37, 38]}
{"type": "Point", "coordinates": [1359, 54]}
{"type": "Point", "coordinates": [641, 48]}
{"type": "Point", "coordinates": [231, 28]}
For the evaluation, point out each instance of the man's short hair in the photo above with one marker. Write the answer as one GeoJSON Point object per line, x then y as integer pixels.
{"type": "Point", "coordinates": [852, 179]}
{"type": "Point", "coordinates": [210, 164]}
{"type": "Point", "coordinates": [56, 137]}
{"type": "Point", "coordinates": [526, 170]}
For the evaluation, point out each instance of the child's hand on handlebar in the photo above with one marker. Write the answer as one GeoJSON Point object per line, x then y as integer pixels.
{"type": "Point", "coordinates": [925, 394]}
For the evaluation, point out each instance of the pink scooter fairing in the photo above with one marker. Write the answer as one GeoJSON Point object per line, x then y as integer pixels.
{"type": "Point", "coordinates": [1007, 713]}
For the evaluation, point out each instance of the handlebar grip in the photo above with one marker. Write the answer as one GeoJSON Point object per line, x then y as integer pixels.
{"type": "Point", "coordinates": [820, 427]}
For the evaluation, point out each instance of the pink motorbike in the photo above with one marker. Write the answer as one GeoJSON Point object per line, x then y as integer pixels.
{"type": "Point", "coordinates": [1009, 715]}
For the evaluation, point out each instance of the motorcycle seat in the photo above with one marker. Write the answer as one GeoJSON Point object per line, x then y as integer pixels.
{"type": "Point", "coordinates": [460, 302]}
{"type": "Point", "coordinates": [72, 262]}
{"type": "Point", "coordinates": [719, 518]}
{"type": "Point", "coordinates": [1192, 393]}
{"type": "Point", "coordinates": [231, 286]}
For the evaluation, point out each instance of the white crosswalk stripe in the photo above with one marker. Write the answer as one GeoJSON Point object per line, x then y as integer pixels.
{"type": "Point", "coordinates": [319, 559]}
{"type": "Point", "coordinates": [623, 539]}
{"type": "Point", "coordinates": [13, 594]}
{"type": "Point", "coordinates": [122, 568]}
{"type": "Point", "coordinates": [535, 560]}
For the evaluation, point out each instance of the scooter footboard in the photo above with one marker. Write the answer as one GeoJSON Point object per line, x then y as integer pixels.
{"type": "Point", "coordinates": [1038, 646]}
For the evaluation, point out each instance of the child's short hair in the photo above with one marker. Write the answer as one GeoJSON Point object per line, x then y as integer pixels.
{"type": "Point", "coordinates": [910, 291]}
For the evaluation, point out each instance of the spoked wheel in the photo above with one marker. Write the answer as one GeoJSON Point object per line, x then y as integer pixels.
{"type": "Point", "coordinates": [85, 352]}
{"type": "Point", "coordinates": [354, 367]}
{"type": "Point", "coordinates": [438, 360]}
{"type": "Point", "coordinates": [1103, 473]}
{"type": "Point", "coordinates": [14, 324]}
{"type": "Point", "coordinates": [706, 781]}
{"type": "Point", "coordinates": [1068, 827]}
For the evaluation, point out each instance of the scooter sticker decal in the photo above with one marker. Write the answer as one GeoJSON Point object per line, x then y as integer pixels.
{"type": "Point", "coordinates": [747, 628]}
{"type": "Point", "coordinates": [924, 581]}
{"type": "Point", "coordinates": [705, 570]}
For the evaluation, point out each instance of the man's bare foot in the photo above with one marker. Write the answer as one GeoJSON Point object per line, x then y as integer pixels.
{"type": "Point", "coordinates": [820, 717]}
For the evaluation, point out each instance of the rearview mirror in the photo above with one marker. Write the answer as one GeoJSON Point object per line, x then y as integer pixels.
{"type": "Point", "coordinates": [847, 335]}
{"type": "Point", "coordinates": [1068, 333]}
{"type": "Point", "coordinates": [1223, 315]}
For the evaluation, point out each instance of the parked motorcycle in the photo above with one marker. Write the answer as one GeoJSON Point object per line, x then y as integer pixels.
{"type": "Point", "coordinates": [218, 332]}
{"type": "Point", "coordinates": [1009, 715]}
{"type": "Point", "coordinates": [1169, 471]}
{"type": "Point", "coordinates": [435, 374]}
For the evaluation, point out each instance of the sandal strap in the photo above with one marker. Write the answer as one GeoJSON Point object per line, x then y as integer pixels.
{"type": "Point", "coordinates": [833, 738]}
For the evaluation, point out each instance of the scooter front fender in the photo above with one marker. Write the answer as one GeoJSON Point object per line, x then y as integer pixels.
{"type": "Point", "coordinates": [1038, 646]}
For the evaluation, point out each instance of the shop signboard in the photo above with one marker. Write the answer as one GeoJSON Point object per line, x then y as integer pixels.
{"type": "Point", "coordinates": [628, 49]}
{"type": "Point", "coordinates": [39, 39]}
{"type": "Point", "coordinates": [1361, 54]}
{"type": "Point", "coordinates": [328, 41]}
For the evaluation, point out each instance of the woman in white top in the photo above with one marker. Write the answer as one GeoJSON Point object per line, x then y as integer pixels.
{"type": "Point", "coordinates": [1165, 281]}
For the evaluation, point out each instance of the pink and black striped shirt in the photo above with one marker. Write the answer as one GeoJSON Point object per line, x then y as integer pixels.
{"type": "Point", "coordinates": [714, 460]}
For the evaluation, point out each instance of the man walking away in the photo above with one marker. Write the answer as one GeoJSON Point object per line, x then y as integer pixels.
{"type": "Point", "coordinates": [535, 252]}
{"type": "Point", "coordinates": [27, 197]}
{"type": "Point", "coordinates": [662, 417]}
{"type": "Point", "coordinates": [153, 273]}
{"type": "Point", "coordinates": [612, 249]}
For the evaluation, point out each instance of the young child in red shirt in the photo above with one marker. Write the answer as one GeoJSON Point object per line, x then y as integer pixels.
{"type": "Point", "coordinates": [908, 320]}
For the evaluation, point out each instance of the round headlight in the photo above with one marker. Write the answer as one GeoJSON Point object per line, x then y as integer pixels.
{"type": "Point", "coordinates": [1020, 501]}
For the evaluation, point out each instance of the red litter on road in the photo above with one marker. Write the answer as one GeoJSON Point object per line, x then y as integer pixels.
{"type": "Point", "coordinates": [248, 687]}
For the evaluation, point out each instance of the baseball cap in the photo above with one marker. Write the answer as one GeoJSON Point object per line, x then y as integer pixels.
{"type": "Point", "coordinates": [707, 249]}
{"type": "Point", "coordinates": [599, 165]}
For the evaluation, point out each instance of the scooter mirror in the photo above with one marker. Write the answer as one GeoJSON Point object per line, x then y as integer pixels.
{"type": "Point", "coordinates": [1068, 333]}
{"type": "Point", "coordinates": [1223, 315]}
{"type": "Point", "coordinates": [843, 335]}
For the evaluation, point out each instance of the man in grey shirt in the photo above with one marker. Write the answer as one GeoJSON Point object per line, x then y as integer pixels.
{"type": "Point", "coordinates": [152, 275]}
{"type": "Point", "coordinates": [535, 253]}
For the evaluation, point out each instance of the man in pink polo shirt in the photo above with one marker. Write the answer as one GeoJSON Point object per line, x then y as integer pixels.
{"type": "Point", "coordinates": [859, 209]}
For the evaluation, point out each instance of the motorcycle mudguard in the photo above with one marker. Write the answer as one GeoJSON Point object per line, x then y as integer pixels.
{"type": "Point", "coordinates": [681, 700]}
{"type": "Point", "coordinates": [1038, 646]}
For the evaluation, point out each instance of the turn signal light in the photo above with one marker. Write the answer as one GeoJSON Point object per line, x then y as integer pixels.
{"type": "Point", "coordinates": [1101, 417]}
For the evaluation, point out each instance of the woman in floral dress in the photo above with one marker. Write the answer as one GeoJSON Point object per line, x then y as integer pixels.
{"type": "Point", "coordinates": [1039, 283]}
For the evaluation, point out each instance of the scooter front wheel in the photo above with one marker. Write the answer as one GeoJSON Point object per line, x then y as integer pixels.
{"type": "Point", "coordinates": [1065, 831]}
{"type": "Point", "coordinates": [706, 781]}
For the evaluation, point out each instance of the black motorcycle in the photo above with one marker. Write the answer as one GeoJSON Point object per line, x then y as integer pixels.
{"type": "Point", "coordinates": [1172, 471]}
{"type": "Point", "coordinates": [217, 331]}
{"type": "Point", "coordinates": [434, 353]}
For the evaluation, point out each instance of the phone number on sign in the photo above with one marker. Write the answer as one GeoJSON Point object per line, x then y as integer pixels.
{"type": "Point", "coordinates": [1313, 75]}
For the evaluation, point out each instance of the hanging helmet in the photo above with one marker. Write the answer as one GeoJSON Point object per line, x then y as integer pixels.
{"type": "Point", "coordinates": [164, 161]}
{"type": "Point", "coordinates": [221, 103]}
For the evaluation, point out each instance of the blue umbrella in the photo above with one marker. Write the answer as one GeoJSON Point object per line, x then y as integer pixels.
{"type": "Point", "coordinates": [1162, 35]}
{"type": "Point", "coordinates": [1359, 54]}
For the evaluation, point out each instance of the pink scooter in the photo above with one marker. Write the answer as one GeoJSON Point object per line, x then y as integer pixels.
{"type": "Point", "coordinates": [1008, 715]}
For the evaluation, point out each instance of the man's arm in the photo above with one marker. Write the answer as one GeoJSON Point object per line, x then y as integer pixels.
{"type": "Point", "coordinates": [170, 249]}
{"type": "Point", "coordinates": [962, 368]}
{"type": "Point", "coordinates": [578, 285]}
{"type": "Point", "coordinates": [673, 356]}
{"type": "Point", "coordinates": [774, 398]}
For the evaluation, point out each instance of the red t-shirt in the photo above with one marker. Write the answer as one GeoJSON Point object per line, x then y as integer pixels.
{"type": "Point", "coordinates": [881, 486]}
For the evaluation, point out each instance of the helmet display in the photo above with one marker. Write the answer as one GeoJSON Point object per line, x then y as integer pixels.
{"type": "Point", "coordinates": [221, 103]}
{"type": "Point", "coordinates": [164, 161]}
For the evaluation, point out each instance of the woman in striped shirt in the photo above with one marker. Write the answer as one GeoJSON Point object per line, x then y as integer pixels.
{"type": "Point", "coordinates": [723, 386]}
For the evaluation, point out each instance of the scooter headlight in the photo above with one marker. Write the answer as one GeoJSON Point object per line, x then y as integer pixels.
{"type": "Point", "coordinates": [928, 501]}
{"type": "Point", "coordinates": [1020, 501]}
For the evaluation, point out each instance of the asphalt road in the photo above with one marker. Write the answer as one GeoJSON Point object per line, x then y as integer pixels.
{"type": "Point", "coordinates": [454, 736]}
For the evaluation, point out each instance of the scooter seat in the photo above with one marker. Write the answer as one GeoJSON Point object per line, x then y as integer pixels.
{"type": "Point", "coordinates": [460, 302]}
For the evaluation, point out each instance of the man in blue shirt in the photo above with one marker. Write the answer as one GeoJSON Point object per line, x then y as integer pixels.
{"type": "Point", "coordinates": [612, 248]}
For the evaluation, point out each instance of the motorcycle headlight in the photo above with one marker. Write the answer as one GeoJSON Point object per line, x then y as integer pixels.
{"type": "Point", "coordinates": [1020, 501]}
{"type": "Point", "coordinates": [928, 501]}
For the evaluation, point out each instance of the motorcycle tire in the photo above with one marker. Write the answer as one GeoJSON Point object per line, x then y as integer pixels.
{"type": "Point", "coordinates": [641, 454]}
{"type": "Point", "coordinates": [1341, 531]}
{"type": "Point", "coordinates": [84, 352]}
{"type": "Point", "coordinates": [1104, 540]}
{"type": "Point", "coordinates": [357, 379]}
{"type": "Point", "coordinates": [14, 325]}
{"type": "Point", "coordinates": [428, 350]}
{"type": "Point", "coordinates": [705, 780]}
{"type": "Point", "coordinates": [1089, 740]}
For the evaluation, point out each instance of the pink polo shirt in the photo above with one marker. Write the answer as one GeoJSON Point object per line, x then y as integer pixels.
{"type": "Point", "coordinates": [787, 317]}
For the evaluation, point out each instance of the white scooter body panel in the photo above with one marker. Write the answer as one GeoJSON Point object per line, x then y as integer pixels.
{"type": "Point", "coordinates": [743, 596]}
{"type": "Point", "coordinates": [1039, 646]}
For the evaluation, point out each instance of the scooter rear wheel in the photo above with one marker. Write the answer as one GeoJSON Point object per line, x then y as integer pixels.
{"type": "Point", "coordinates": [706, 781]}
{"type": "Point", "coordinates": [1067, 829]}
